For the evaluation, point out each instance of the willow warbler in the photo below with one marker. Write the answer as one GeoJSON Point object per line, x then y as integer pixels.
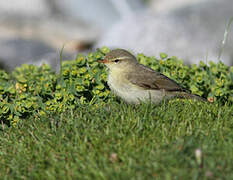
{"type": "Point", "coordinates": [137, 83]}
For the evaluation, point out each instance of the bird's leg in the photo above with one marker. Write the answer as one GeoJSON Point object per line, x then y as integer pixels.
{"type": "Point", "coordinates": [164, 93]}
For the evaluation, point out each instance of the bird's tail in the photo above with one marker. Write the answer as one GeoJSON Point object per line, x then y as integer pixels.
{"type": "Point", "coordinates": [187, 95]}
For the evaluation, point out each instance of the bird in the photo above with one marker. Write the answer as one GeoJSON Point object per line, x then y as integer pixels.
{"type": "Point", "coordinates": [136, 83]}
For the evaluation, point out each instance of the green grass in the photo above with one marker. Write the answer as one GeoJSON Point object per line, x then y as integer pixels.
{"type": "Point", "coordinates": [120, 141]}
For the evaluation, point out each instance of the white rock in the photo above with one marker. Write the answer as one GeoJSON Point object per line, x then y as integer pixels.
{"type": "Point", "coordinates": [192, 33]}
{"type": "Point", "coordinates": [26, 7]}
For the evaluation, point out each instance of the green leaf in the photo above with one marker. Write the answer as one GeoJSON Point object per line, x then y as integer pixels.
{"type": "Point", "coordinates": [163, 55]}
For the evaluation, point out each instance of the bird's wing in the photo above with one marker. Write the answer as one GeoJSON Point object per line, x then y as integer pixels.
{"type": "Point", "coordinates": [150, 79]}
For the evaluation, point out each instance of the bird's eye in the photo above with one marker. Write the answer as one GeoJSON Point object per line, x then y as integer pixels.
{"type": "Point", "coordinates": [116, 60]}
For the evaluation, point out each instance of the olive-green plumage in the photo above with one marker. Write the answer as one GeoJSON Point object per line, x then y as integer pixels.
{"type": "Point", "coordinates": [135, 82]}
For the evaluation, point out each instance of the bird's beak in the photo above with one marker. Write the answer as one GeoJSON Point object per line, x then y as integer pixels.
{"type": "Point", "coordinates": [103, 61]}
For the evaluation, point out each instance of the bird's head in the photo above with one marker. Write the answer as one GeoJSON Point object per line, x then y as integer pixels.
{"type": "Point", "coordinates": [119, 59]}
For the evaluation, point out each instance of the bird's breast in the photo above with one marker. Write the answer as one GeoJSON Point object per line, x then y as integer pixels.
{"type": "Point", "coordinates": [118, 82]}
{"type": "Point", "coordinates": [131, 93]}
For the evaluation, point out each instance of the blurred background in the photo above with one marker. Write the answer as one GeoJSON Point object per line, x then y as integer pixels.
{"type": "Point", "coordinates": [34, 31]}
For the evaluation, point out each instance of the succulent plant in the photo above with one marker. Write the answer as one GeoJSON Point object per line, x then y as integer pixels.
{"type": "Point", "coordinates": [36, 91]}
